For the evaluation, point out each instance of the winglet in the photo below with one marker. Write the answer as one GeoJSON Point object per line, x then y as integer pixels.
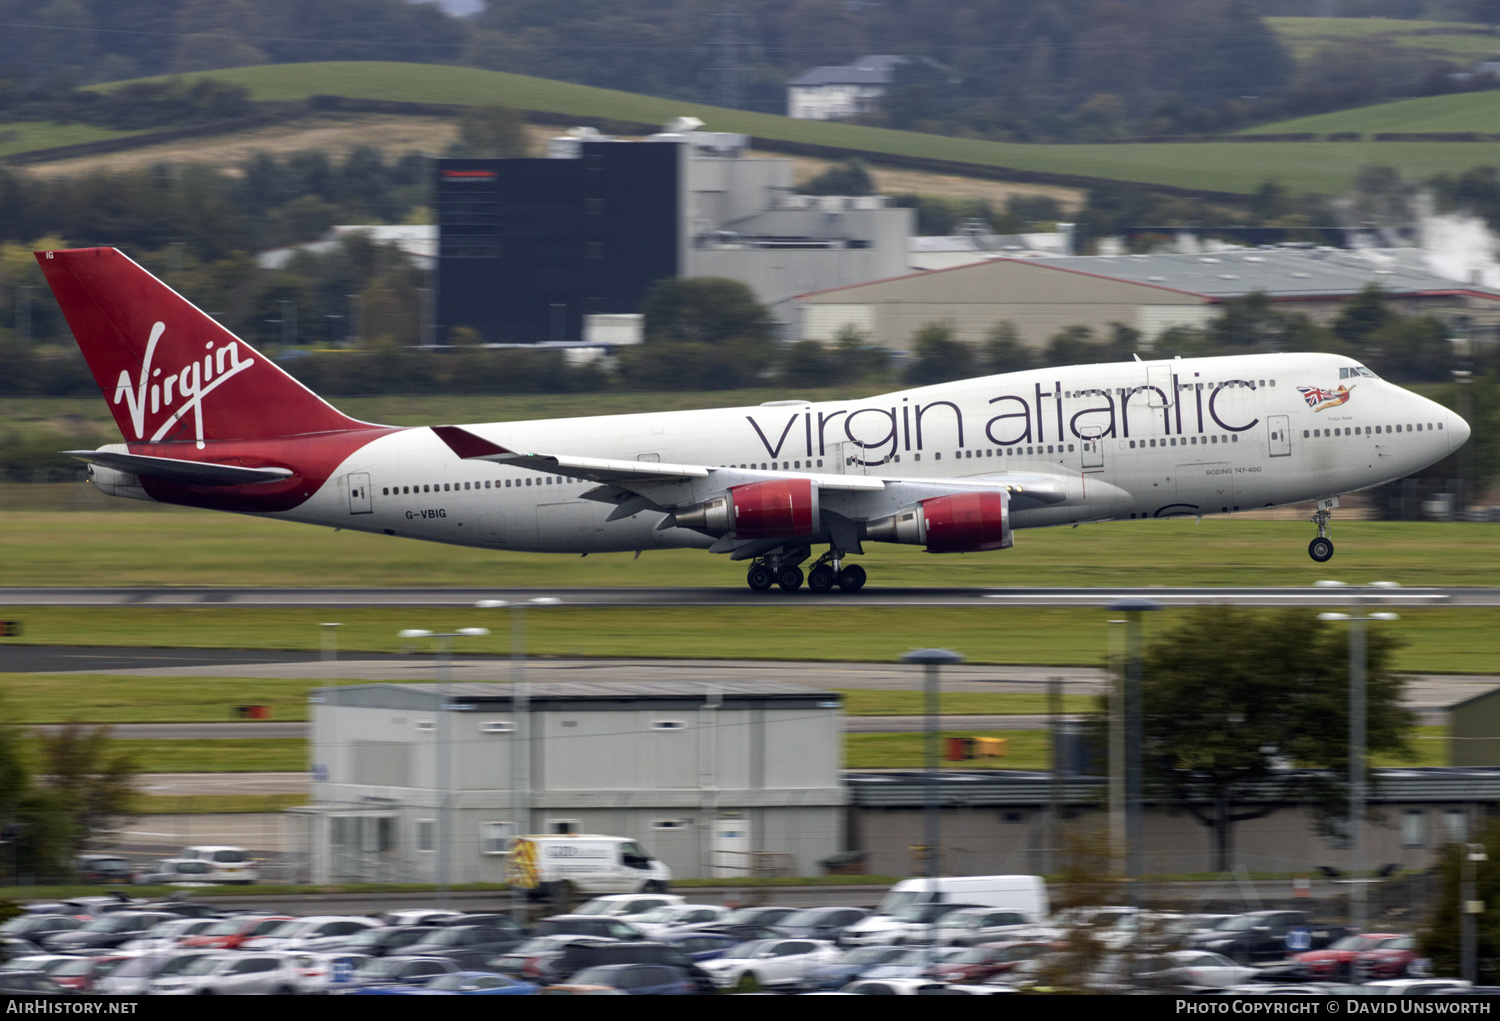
{"type": "Point", "coordinates": [465, 444]}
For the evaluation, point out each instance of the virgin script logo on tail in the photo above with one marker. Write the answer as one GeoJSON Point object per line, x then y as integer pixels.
{"type": "Point", "coordinates": [187, 386]}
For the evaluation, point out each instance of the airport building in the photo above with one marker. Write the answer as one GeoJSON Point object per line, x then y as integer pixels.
{"type": "Point", "coordinates": [556, 249]}
{"type": "Point", "coordinates": [1149, 293]}
{"type": "Point", "coordinates": [723, 779]}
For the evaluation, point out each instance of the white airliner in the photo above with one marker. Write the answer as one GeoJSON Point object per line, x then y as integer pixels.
{"type": "Point", "coordinates": [209, 422]}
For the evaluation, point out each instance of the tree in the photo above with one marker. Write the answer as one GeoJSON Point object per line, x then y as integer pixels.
{"type": "Point", "coordinates": [701, 332]}
{"type": "Point", "coordinates": [1004, 350]}
{"type": "Point", "coordinates": [490, 132]}
{"type": "Point", "coordinates": [1439, 938]}
{"type": "Point", "coordinates": [1246, 712]}
{"type": "Point", "coordinates": [940, 355]}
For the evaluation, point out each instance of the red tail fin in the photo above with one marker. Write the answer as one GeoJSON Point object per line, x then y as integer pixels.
{"type": "Point", "coordinates": [168, 370]}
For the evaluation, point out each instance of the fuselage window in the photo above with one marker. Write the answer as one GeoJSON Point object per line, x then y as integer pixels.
{"type": "Point", "coordinates": [820, 460]}
{"type": "Point", "coordinates": [1304, 434]}
{"type": "Point", "coordinates": [1153, 443]}
{"type": "Point", "coordinates": [445, 487]}
{"type": "Point", "coordinates": [1070, 448]}
{"type": "Point", "coordinates": [385, 492]}
{"type": "Point", "coordinates": [1419, 427]}
{"type": "Point", "coordinates": [426, 489]}
{"type": "Point", "coordinates": [938, 456]}
{"type": "Point", "coordinates": [1235, 437]}
{"type": "Point", "coordinates": [1440, 425]}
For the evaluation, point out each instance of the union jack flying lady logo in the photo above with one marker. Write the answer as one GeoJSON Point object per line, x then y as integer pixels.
{"type": "Point", "coordinates": [1318, 399]}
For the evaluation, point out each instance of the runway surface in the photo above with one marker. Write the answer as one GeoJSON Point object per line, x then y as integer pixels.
{"type": "Point", "coordinates": [874, 595]}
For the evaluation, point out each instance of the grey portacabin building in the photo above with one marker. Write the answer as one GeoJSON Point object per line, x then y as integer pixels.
{"type": "Point", "coordinates": [727, 779]}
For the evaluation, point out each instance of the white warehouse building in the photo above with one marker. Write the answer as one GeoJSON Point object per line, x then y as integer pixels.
{"type": "Point", "coordinates": [726, 779]}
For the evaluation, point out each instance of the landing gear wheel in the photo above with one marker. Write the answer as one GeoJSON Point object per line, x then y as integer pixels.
{"type": "Point", "coordinates": [852, 578]}
{"type": "Point", "coordinates": [821, 578]}
{"type": "Point", "coordinates": [759, 578]}
{"type": "Point", "coordinates": [1320, 549]}
{"type": "Point", "coordinates": [789, 578]}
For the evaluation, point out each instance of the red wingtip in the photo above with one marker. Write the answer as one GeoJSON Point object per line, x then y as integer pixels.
{"type": "Point", "coordinates": [465, 444]}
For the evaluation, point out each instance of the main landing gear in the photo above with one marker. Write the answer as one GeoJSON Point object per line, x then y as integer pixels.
{"type": "Point", "coordinates": [1321, 548]}
{"type": "Point", "coordinates": [826, 573]}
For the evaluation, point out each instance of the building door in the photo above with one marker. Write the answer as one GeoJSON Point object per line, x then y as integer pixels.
{"type": "Point", "coordinates": [731, 850]}
{"type": "Point", "coordinates": [1278, 428]}
{"type": "Point", "coordinates": [359, 494]}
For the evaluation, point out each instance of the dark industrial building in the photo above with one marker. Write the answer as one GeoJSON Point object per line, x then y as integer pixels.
{"type": "Point", "coordinates": [528, 247]}
{"type": "Point", "coordinates": [531, 249]}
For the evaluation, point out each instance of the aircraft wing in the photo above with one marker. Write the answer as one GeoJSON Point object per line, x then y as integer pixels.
{"type": "Point", "coordinates": [190, 473]}
{"type": "Point", "coordinates": [624, 474]}
{"type": "Point", "coordinates": [639, 485]}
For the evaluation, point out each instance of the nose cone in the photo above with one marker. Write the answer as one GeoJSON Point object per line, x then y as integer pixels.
{"type": "Point", "coordinates": [1457, 430]}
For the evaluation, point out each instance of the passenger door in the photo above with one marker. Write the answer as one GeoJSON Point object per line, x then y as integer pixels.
{"type": "Point", "coordinates": [359, 493]}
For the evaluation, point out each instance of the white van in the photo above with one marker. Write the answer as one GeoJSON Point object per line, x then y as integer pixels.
{"type": "Point", "coordinates": [592, 863]}
{"type": "Point", "coordinates": [903, 908]}
{"type": "Point", "coordinates": [1026, 894]}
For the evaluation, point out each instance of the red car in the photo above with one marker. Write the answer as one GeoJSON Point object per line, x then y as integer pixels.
{"type": "Point", "coordinates": [976, 964]}
{"type": "Point", "coordinates": [1395, 958]}
{"type": "Point", "coordinates": [1335, 962]}
{"type": "Point", "coordinates": [231, 932]}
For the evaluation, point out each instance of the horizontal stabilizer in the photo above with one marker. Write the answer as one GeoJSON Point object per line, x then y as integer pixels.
{"type": "Point", "coordinates": [188, 473]}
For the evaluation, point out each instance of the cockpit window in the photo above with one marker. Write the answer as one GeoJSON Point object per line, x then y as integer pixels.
{"type": "Point", "coordinates": [1354, 371]}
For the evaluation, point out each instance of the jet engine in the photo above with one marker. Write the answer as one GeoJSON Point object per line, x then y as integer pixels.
{"type": "Point", "coordinates": [781, 508]}
{"type": "Point", "coordinates": [962, 523]}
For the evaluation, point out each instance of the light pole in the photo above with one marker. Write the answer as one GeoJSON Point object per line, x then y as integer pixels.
{"type": "Point", "coordinates": [1134, 780]}
{"type": "Point", "coordinates": [1469, 907]}
{"type": "Point", "coordinates": [520, 748]}
{"type": "Point", "coordinates": [932, 660]}
{"type": "Point", "coordinates": [442, 749]}
{"type": "Point", "coordinates": [1358, 737]}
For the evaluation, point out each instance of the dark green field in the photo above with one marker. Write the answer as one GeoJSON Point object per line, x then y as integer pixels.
{"type": "Point", "coordinates": [1328, 168]}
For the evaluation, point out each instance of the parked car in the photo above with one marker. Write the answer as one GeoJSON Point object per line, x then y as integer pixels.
{"type": "Point", "coordinates": [852, 965]}
{"type": "Point", "coordinates": [587, 925]}
{"type": "Point", "coordinates": [104, 932]}
{"type": "Point", "coordinates": [772, 963]}
{"type": "Point", "coordinates": [29, 983]}
{"type": "Point", "coordinates": [459, 983]}
{"type": "Point", "coordinates": [229, 933]}
{"type": "Point", "coordinates": [912, 923]}
{"type": "Point", "coordinates": [168, 934]}
{"type": "Point", "coordinates": [1336, 961]}
{"type": "Point", "coordinates": [234, 973]}
{"type": "Point", "coordinates": [33, 927]}
{"type": "Point", "coordinates": [672, 916]}
{"type": "Point", "coordinates": [176, 872]}
{"type": "Point", "coordinates": [1399, 958]}
{"type": "Point", "coordinates": [392, 971]}
{"type": "Point", "coordinates": [316, 932]}
{"type": "Point", "coordinates": [102, 868]}
{"type": "Point", "coordinates": [468, 946]}
{"type": "Point", "coordinates": [230, 864]}
{"type": "Point", "coordinates": [629, 906]}
{"type": "Point", "coordinates": [1262, 935]}
{"type": "Point", "coordinates": [638, 979]}
{"type": "Point", "coordinates": [821, 923]}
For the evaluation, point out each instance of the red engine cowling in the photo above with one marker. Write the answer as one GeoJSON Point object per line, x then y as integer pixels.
{"type": "Point", "coordinates": [962, 523]}
{"type": "Point", "coordinates": [781, 508]}
{"type": "Point", "coordinates": [967, 522]}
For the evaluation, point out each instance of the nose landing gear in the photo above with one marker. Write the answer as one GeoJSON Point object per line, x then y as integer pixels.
{"type": "Point", "coordinates": [1321, 548]}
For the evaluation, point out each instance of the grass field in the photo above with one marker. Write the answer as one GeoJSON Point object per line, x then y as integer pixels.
{"type": "Point", "coordinates": [1457, 41]}
{"type": "Point", "coordinates": [24, 136]}
{"type": "Point", "coordinates": [1435, 640]}
{"type": "Point", "coordinates": [167, 547]}
{"type": "Point", "coordinates": [215, 755]}
{"type": "Point", "coordinates": [1230, 167]}
{"type": "Point", "coordinates": [102, 698]}
{"type": "Point", "coordinates": [1465, 111]}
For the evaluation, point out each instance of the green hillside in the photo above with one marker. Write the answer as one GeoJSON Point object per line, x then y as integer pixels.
{"type": "Point", "coordinates": [1464, 111]}
{"type": "Point", "coordinates": [25, 136]}
{"type": "Point", "coordinates": [1456, 41]}
{"type": "Point", "coordinates": [1227, 166]}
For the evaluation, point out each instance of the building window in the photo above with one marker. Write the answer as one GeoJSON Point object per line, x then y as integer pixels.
{"type": "Point", "coordinates": [494, 837]}
{"type": "Point", "coordinates": [1414, 828]}
{"type": "Point", "coordinates": [426, 834]}
{"type": "Point", "coordinates": [669, 824]}
{"type": "Point", "coordinates": [565, 827]}
{"type": "Point", "coordinates": [1456, 823]}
